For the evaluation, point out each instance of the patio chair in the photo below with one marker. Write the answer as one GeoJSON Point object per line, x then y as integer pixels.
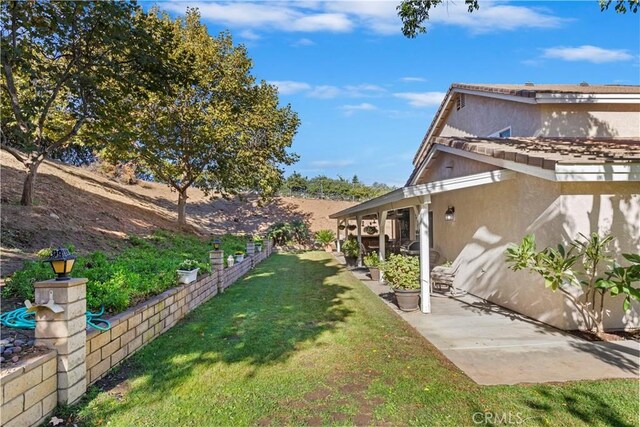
{"type": "Point", "coordinates": [442, 277]}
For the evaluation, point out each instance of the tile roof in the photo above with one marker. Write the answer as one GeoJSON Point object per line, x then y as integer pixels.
{"type": "Point", "coordinates": [530, 90]}
{"type": "Point", "coordinates": [547, 152]}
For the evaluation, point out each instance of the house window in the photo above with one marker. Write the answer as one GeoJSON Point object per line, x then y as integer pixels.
{"type": "Point", "coordinates": [460, 101]}
{"type": "Point", "coordinates": [504, 133]}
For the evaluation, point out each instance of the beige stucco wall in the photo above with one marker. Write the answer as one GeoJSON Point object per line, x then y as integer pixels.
{"type": "Point", "coordinates": [447, 166]}
{"type": "Point", "coordinates": [483, 116]}
{"type": "Point", "coordinates": [490, 217]}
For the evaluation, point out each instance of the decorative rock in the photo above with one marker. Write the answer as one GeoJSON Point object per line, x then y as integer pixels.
{"type": "Point", "coordinates": [14, 359]}
{"type": "Point", "coordinates": [4, 342]}
{"type": "Point", "coordinates": [8, 352]}
{"type": "Point", "coordinates": [1, 359]}
{"type": "Point", "coordinates": [11, 339]}
{"type": "Point", "coordinates": [18, 343]}
{"type": "Point", "coordinates": [30, 342]}
{"type": "Point", "coordinates": [54, 216]}
{"type": "Point", "coordinates": [17, 349]}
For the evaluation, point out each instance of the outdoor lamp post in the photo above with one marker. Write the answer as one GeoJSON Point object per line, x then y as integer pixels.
{"type": "Point", "coordinates": [450, 214]}
{"type": "Point", "coordinates": [61, 261]}
{"type": "Point", "coordinates": [216, 244]}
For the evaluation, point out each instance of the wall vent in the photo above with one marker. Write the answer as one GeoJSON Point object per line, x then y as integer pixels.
{"type": "Point", "coordinates": [460, 101]}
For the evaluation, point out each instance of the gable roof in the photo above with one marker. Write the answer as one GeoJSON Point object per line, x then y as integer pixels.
{"type": "Point", "coordinates": [529, 93]}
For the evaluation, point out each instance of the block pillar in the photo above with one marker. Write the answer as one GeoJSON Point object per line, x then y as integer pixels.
{"type": "Point", "coordinates": [64, 332]}
{"type": "Point", "coordinates": [251, 251]}
{"type": "Point", "coordinates": [217, 264]}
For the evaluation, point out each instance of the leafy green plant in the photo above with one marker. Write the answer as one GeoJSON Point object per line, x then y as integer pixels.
{"type": "Point", "coordinates": [188, 265]}
{"type": "Point", "coordinates": [350, 247]}
{"type": "Point", "coordinates": [402, 272]}
{"type": "Point", "coordinates": [581, 265]}
{"type": "Point", "coordinates": [239, 253]}
{"type": "Point", "coordinates": [284, 232]}
{"type": "Point", "coordinates": [325, 237]}
{"type": "Point", "coordinates": [372, 260]}
{"type": "Point", "coordinates": [370, 229]}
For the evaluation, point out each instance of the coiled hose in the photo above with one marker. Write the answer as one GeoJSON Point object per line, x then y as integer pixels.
{"type": "Point", "coordinates": [20, 318]}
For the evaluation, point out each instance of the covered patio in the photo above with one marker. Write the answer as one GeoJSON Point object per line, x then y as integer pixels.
{"type": "Point", "coordinates": [417, 199]}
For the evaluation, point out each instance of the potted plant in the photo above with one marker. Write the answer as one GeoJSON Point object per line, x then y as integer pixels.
{"type": "Point", "coordinates": [373, 262]}
{"type": "Point", "coordinates": [325, 238]}
{"type": "Point", "coordinates": [351, 251]}
{"type": "Point", "coordinates": [239, 255]}
{"type": "Point", "coordinates": [258, 244]}
{"type": "Point", "coordinates": [342, 227]}
{"type": "Point", "coordinates": [352, 227]}
{"type": "Point", "coordinates": [188, 271]}
{"type": "Point", "coordinates": [370, 229]}
{"type": "Point", "coordinates": [402, 273]}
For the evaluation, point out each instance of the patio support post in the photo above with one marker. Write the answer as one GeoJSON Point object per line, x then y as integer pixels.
{"type": "Point", "coordinates": [338, 235]}
{"type": "Point", "coordinates": [359, 225]}
{"type": "Point", "coordinates": [382, 222]}
{"type": "Point", "coordinates": [423, 219]}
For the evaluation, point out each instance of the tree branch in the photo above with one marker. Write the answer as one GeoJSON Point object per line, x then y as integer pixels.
{"type": "Point", "coordinates": [15, 153]}
{"type": "Point", "coordinates": [73, 132]}
{"type": "Point", "coordinates": [10, 87]}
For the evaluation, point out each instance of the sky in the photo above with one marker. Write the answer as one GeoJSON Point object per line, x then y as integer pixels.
{"type": "Point", "coordinates": [365, 94]}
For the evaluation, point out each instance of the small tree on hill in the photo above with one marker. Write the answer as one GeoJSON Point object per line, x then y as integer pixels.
{"type": "Point", "coordinates": [215, 129]}
{"type": "Point", "coordinates": [64, 63]}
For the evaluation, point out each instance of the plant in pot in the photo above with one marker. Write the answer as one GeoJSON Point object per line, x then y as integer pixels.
{"type": "Point", "coordinates": [352, 227]}
{"type": "Point", "coordinates": [342, 227]}
{"type": "Point", "coordinates": [239, 255]}
{"type": "Point", "coordinates": [370, 229]}
{"type": "Point", "coordinates": [351, 251]}
{"type": "Point", "coordinates": [258, 244]}
{"type": "Point", "coordinates": [402, 273]}
{"type": "Point", "coordinates": [188, 271]}
{"type": "Point", "coordinates": [325, 238]}
{"type": "Point", "coordinates": [372, 260]}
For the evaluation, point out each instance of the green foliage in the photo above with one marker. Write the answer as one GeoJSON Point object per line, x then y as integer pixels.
{"type": "Point", "coordinates": [216, 129]}
{"type": "Point", "coordinates": [146, 268]}
{"type": "Point", "coordinates": [350, 247]}
{"type": "Point", "coordinates": [238, 253]}
{"type": "Point", "coordinates": [325, 237]}
{"type": "Point", "coordinates": [189, 264]}
{"type": "Point", "coordinates": [402, 272]}
{"type": "Point", "coordinates": [372, 260]}
{"type": "Point", "coordinates": [414, 13]}
{"type": "Point", "coordinates": [580, 265]}
{"type": "Point", "coordinates": [331, 188]}
{"type": "Point", "coordinates": [65, 67]}
{"type": "Point", "coordinates": [296, 231]}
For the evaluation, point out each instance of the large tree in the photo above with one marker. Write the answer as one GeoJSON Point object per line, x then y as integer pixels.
{"type": "Point", "coordinates": [64, 64]}
{"type": "Point", "coordinates": [414, 13]}
{"type": "Point", "coordinates": [215, 128]}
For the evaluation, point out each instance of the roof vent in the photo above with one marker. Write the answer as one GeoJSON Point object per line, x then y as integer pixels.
{"type": "Point", "coordinates": [528, 83]}
{"type": "Point", "coordinates": [583, 84]}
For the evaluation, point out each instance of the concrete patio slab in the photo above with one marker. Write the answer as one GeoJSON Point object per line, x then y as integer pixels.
{"type": "Point", "coordinates": [493, 345]}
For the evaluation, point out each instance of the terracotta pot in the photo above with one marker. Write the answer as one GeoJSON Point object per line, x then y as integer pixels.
{"type": "Point", "coordinates": [407, 299]}
{"type": "Point", "coordinates": [375, 273]}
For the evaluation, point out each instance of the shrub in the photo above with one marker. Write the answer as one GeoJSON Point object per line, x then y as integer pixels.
{"type": "Point", "coordinates": [325, 237]}
{"type": "Point", "coordinates": [188, 265]}
{"type": "Point", "coordinates": [295, 231]}
{"type": "Point", "coordinates": [372, 260]}
{"type": "Point", "coordinates": [350, 247]}
{"type": "Point", "coordinates": [402, 272]}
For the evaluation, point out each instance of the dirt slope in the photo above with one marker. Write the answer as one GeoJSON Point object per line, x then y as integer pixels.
{"type": "Point", "coordinates": [75, 205]}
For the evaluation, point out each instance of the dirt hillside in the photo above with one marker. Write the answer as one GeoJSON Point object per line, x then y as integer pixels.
{"type": "Point", "coordinates": [75, 205]}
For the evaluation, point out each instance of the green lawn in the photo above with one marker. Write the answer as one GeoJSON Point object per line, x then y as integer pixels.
{"type": "Point", "coordinates": [300, 341]}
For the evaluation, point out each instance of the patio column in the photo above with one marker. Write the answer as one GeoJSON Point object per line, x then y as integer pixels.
{"type": "Point", "coordinates": [359, 225]}
{"type": "Point", "coordinates": [423, 220]}
{"type": "Point", "coordinates": [382, 222]}
{"type": "Point", "coordinates": [338, 235]}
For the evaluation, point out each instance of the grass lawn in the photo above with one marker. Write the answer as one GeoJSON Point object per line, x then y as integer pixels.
{"type": "Point", "coordinates": [300, 341]}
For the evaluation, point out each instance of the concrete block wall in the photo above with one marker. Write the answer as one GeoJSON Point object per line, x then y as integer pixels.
{"type": "Point", "coordinates": [29, 391]}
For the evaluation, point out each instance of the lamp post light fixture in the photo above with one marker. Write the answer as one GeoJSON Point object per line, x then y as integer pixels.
{"type": "Point", "coordinates": [450, 214]}
{"type": "Point", "coordinates": [216, 244]}
{"type": "Point", "coordinates": [61, 261]}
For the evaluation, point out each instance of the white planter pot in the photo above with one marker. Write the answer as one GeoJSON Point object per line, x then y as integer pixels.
{"type": "Point", "coordinates": [239, 258]}
{"type": "Point", "coordinates": [187, 276]}
{"type": "Point", "coordinates": [258, 248]}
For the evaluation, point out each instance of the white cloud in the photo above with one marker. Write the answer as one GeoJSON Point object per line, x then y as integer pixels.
{"type": "Point", "coordinates": [422, 99]}
{"type": "Point", "coordinates": [376, 16]}
{"type": "Point", "coordinates": [303, 42]}
{"type": "Point", "coordinates": [331, 163]}
{"type": "Point", "coordinates": [288, 87]}
{"type": "Point", "coordinates": [351, 109]}
{"type": "Point", "coordinates": [324, 92]}
{"type": "Point", "coordinates": [587, 53]}
{"type": "Point", "coordinates": [249, 35]}
{"type": "Point", "coordinates": [413, 79]}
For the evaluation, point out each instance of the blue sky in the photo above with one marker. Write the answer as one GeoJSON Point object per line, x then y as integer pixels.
{"type": "Point", "coordinates": [365, 94]}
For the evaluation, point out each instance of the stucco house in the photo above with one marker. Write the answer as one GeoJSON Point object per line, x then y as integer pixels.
{"type": "Point", "coordinates": [509, 160]}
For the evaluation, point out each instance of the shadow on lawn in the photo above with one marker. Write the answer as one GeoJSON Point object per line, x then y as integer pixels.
{"type": "Point", "coordinates": [261, 320]}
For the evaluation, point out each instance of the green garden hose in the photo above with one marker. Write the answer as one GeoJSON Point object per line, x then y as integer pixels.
{"type": "Point", "coordinates": [21, 319]}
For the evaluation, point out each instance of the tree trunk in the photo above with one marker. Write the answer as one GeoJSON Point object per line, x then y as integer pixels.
{"type": "Point", "coordinates": [30, 180]}
{"type": "Point", "coordinates": [182, 208]}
